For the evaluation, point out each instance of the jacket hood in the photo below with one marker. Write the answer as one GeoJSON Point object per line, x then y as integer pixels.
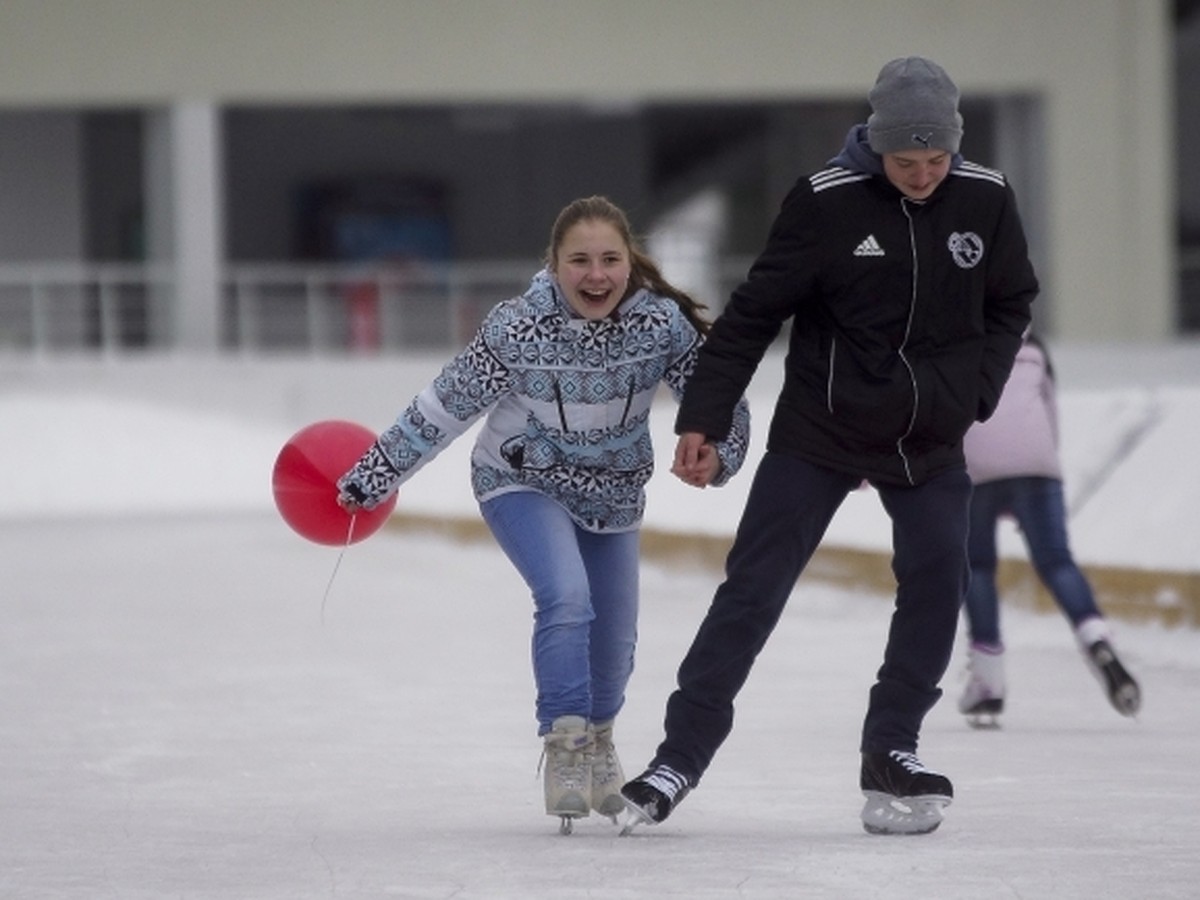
{"type": "Point", "coordinates": [857, 156]}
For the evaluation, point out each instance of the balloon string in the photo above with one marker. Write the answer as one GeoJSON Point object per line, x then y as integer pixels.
{"type": "Point", "coordinates": [337, 565]}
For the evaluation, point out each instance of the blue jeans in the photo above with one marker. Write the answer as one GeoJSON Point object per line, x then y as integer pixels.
{"type": "Point", "coordinates": [585, 600]}
{"type": "Point", "coordinates": [1037, 505]}
{"type": "Point", "coordinates": [789, 508]}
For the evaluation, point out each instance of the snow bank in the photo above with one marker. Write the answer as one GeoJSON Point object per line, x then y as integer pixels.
{"type": "Point", "coordinates": [102, 438]}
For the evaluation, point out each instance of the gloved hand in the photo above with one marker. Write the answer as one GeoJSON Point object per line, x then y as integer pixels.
{"type": "Point", "coordinates": [351, 498]}
{"type": "Point", "coordinates": [371, 481]}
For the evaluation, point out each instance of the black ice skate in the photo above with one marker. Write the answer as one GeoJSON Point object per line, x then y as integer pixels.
{"type": "Point", "coordinates": [651, 797]}
{"type": "Point", "coordinates": [903, 796]}
{"type": "Point", "coordinates": [1123, 692]}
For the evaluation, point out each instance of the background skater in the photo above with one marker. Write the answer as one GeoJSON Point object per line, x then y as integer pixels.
{"type": "Point", "coordinates": [1013, 460]}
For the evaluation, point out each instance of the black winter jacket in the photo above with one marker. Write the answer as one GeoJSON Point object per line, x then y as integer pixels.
{"type": "Point", "coordinates": [906, 316]}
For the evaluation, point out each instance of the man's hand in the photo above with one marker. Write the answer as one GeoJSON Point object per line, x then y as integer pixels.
{"type": "Point", "coordinates": [696, 461]}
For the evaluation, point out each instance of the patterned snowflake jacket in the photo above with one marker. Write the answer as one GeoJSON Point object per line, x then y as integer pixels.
{"type": "Point", "coordinates": [568, 402]}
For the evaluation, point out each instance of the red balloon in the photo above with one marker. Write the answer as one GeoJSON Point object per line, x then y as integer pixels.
{"type": "Point", "coordinates": [304, 482]}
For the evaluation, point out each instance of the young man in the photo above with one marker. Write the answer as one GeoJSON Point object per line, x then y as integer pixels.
{"type": "Point", "coordinates": [905, 274]}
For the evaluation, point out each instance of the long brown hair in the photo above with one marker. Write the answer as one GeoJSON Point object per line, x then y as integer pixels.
{"type": "Point", "coordinates": [644, 272]}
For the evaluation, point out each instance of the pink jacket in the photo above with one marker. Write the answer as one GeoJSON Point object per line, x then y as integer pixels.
{"type": "Point", "coordinates": [1021, 437]}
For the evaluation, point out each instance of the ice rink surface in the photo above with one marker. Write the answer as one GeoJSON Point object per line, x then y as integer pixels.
{"type": "Point", "coordinates": [180, 718]}
{"type": "Point", "coordinates": [185, 713]}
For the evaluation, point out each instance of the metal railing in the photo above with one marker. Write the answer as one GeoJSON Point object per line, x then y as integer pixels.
{"type": "Point", "coordinates": [50, 307]}
{"type": "Point", "coordinates": [129, 308]}
{"type": "Point", "coordinates": [364, 309]}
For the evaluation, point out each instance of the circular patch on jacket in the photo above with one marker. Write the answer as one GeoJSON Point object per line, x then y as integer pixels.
{"type": "Point", "coordinates": [965, 249]}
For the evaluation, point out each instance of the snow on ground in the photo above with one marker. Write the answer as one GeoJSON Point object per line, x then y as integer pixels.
{"type": "Point", "coordinates": [178, 434]}
{"type": "Point", "coordinates": [185, 713]}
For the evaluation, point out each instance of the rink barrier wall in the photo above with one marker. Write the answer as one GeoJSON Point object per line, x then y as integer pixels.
{"type": "Point", "coordinates": [1169, 598]}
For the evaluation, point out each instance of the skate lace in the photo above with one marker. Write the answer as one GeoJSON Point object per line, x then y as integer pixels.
{"type": "Point", "coordinates": [605, 763]}
{"type": "Point", "coordinates": [1102, 654]}
{"type": "Point", "coordinates": [571, 770]}
{"type": "Point", "coordinates": [568, 756]}
{"type": "Point", "coordinates": [910, 762]}
{"type": "Point", "coordinates": [666, 781]}
{"type": "Point", "coordinates": [603, 741]}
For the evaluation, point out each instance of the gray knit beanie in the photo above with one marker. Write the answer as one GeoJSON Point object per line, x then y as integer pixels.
{"type": "Point", "coordinates": [914, 107]}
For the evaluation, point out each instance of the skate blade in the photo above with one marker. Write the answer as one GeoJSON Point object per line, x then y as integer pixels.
{"type": "Point", "coordinates": [1128, 700]}
{"type": "Point", "coordinates": [567, 814]}
{"type": "Point", "coordinates": [983, 721]}
{"type": "Point", "coordinates": [566, 823]}
{"type": "Point", "coordinates": [632, 816]}
{"type": "Point", "coordinates": [885, 814]}
{"type": "Point", "coordinates": [611, 811]}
